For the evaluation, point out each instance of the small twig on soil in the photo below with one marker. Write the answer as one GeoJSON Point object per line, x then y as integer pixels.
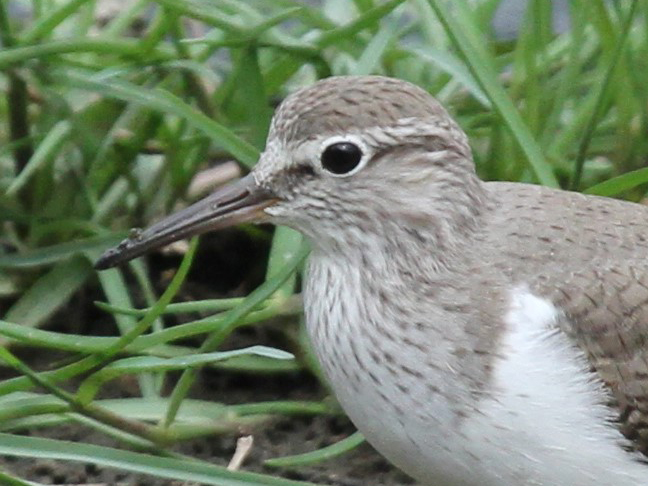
{"type": "Point", "coordinates": [243, 448]}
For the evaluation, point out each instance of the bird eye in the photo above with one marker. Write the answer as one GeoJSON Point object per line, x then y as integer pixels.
{"type": "Point", "coordinates": [341, 157]}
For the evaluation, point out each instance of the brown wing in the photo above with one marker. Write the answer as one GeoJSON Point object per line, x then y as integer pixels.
{"type": "Point", "coordinates": [607, 317]}
{"type": "Point", "coordinates": [589, 255]}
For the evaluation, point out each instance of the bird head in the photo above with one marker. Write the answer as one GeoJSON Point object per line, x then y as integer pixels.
{"type": "Point", "coordinates": [346, 157]}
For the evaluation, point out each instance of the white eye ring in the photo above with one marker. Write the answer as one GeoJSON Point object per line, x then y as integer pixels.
{"type": "Point", "coordinates": [350, 139]}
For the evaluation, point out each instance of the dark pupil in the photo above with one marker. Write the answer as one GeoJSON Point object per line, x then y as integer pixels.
{"type": "Point", "coordinates": [341, 157]}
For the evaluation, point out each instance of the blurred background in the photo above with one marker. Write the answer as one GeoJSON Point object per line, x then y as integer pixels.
{"type": "Point", "coordinates": [114, 113]}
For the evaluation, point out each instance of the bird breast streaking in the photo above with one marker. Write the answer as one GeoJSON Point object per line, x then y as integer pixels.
{"type": "Point", "coordinates": [477, 333]}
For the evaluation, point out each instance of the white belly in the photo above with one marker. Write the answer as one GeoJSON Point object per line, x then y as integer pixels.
{"type": "Point", "coordinates": [544, 424]}
{"type": "Point", "coordinates": [548, 423]}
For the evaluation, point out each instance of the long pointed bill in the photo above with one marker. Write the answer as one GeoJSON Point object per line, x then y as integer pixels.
{"type": "Point", "coordinates": [239, 202]}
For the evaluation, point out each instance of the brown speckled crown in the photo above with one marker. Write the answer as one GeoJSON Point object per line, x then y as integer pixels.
{"type": "Point", "coordinates": [346, 103]}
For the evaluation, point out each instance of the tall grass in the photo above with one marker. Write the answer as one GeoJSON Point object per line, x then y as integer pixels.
{"type": "Point", "coordinates": [102, 129]}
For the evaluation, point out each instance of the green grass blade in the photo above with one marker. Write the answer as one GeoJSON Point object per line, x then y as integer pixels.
{"type": "Point", "coordinates": [98, 344]}
{"type": "Point", "coordinates": [44, 154]}
{"type": "Point", "coordinates": [620, 184]}
{"type": "Point", "coordinates": [208, 305]}
{"type": "Point", "coordinates": [164, 101]}
{"type": "Point", "coordinates": [91, 385]}
{"type": "Point", "coordinates": [47, 23]}
{"type": "Point", "coordinates": [56, 253]}
{"type": "Point", "coordinates": [323, 454]}
{"type": "Point", "coordinates": [183, 470]}
{"type": "Point", "coordinates": [124, 47]}
{"type": "Point", "coordinates": [40, 301]}
{"type": "Point", "coordinates": [601, 98]}
{"type": "Point", "coordinates": [286, 242]}
{"type": "Point", "coordinates": [8, 480]}
{"type": "Point", "coordinates": [461, 31]}
{"type": "Point", "coordinates": [117, 293]}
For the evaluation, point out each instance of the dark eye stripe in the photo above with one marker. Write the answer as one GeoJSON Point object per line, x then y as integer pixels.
{"type": "Point", "coordinates": [301, 170]}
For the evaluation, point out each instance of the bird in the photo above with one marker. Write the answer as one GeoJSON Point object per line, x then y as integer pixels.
{"type": "Point", "coordinates": [476, 333]}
